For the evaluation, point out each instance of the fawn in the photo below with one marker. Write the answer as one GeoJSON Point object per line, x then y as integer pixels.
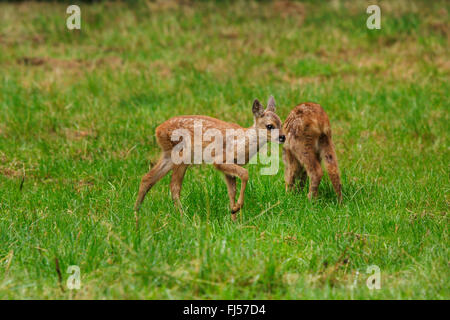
{"type": "Point", "coordinates": [308, 141]}
{"type": "Point", "coordinates": [265, 120]}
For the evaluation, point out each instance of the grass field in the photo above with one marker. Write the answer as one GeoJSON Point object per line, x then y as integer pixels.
{"type": "Point", "coordinates": [78, 110]}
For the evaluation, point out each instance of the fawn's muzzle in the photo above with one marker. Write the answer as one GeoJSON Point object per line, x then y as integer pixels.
{"type": "Point", "coordinates": [282, 138]}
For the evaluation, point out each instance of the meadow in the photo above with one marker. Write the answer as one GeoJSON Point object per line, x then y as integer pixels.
{"type": "Point", "coordinates": [78, 110]}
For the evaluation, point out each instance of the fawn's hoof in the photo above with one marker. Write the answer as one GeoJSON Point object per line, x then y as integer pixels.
{"type": "Point", "coordinates": [312, 196]}
{"type": "Point", "coordinates": [233, 216]}
{"type": "Point", "coordinates": [235, 209]}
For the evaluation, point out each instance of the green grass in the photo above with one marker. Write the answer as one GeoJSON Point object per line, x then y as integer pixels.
{"type": "Point", "coordinates": [77, 134]}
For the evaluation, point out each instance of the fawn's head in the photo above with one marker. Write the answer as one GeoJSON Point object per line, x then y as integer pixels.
{"type": "Point", "coordinates": [268, 120]}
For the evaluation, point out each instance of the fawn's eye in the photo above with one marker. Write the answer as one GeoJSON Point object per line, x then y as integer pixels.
{"type": "Point", "coordinates": [269, 127]}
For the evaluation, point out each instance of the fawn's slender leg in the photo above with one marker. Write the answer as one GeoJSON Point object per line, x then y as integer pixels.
{"type": "Point", "coordinates": [162, 167]}
{"type": "Point", "coordinates": [302, 176]}
{"type": "Point", "coordinates": [293, 169]}
{"type": "Point", "coordinates": [329, 155]}
{"type": "Point", "coordinates": [310, 161]}
{"type": "Point", "coordinates": [176, 183]}
{"type": "Point", "coordinates": [235, 171]}
{"type": "Point", "coordinates": [231, 185]}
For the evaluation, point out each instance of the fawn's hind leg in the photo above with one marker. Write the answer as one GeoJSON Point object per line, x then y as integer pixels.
{"type": "Point", "coordinates": [329, 156]}
{"type": "Point", "coordinates": [311, 162]}
{"type": "Point", "coordinates": [235, 171]}
{"type": "Point", "coordinates": [293, 170]}
{"type": "Point", "coordinates": [162, 167]}
{"type": "Point", "coordinates": [176, 183]}
{"type": "Point", "coordinates": [302, 177]}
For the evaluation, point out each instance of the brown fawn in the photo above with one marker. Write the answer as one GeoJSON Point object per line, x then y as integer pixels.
{"type": "Point", "coordinates": [308, 141]}
{"type": "Point", "coordinates": [265, 120]}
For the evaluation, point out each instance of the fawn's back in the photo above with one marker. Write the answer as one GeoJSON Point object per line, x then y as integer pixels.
{"type": "Point", "coordinates": [164, 132]}
{"type": "Point", "coordinates": [307, 121]}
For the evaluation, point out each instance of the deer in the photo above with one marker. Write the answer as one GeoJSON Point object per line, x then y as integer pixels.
{"type": "Point", "coordinates": [308, 142]}
{"type": "Point", "coordinates": [265, 121]}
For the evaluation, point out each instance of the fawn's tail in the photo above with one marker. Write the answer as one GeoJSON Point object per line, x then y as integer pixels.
{"type": "Point", "coordinates": [327, 153]}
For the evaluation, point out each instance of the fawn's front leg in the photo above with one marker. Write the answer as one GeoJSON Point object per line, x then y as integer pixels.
{"type": "Point", "coordinates": [162, 167]}
{"type": "Point", "coordinates": [176, 183]}
{"type": "Point", "coordinates": [231, 186]}
{"type": "Point", "coordinates": [235, 171]}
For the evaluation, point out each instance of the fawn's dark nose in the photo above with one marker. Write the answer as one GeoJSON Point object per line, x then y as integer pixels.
{"type": "Point", "coordinates": [282, 138]}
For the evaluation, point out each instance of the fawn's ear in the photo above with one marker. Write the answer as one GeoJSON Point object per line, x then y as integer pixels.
{"type": "Point", "coordinates": [271, 104]}
{"type": "Point", "coordinates": [258, 109]}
